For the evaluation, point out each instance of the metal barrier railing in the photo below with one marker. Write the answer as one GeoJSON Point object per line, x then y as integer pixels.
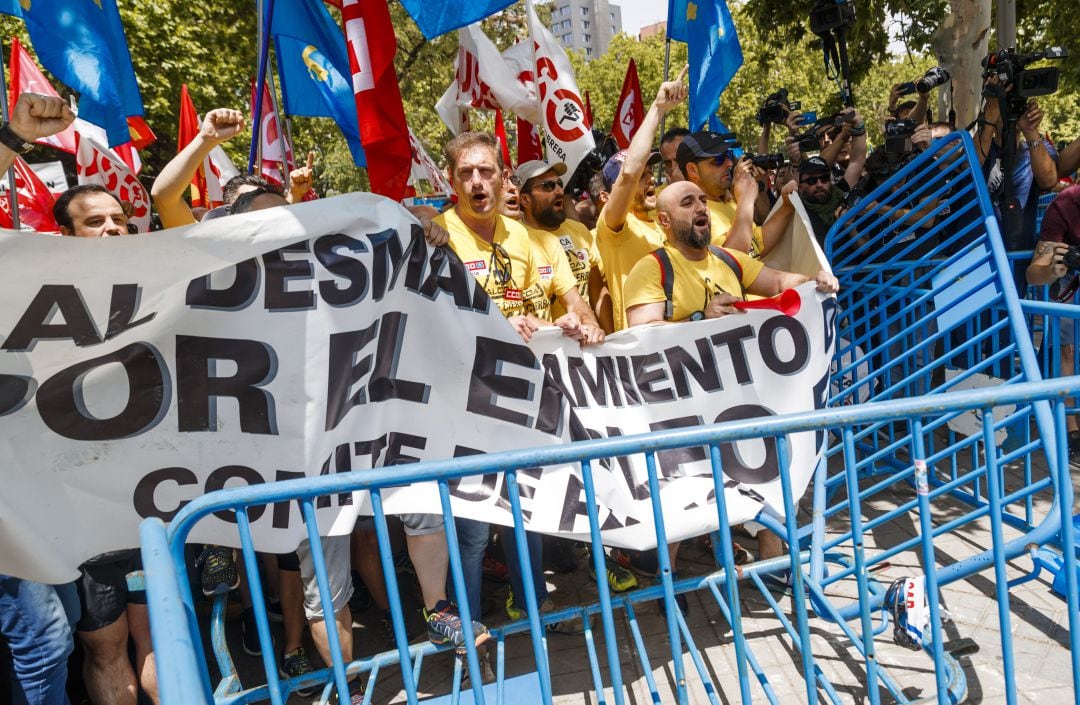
{"type": "Point", "coordinates": [177, 638]}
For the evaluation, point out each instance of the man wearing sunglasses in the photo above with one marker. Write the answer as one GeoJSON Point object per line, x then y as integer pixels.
{"type": "Point", "coordinates": [732, 188]}
{"type": "Point", "coordinates": [821, 198]}
{"type": "Point", "coordinates": [567, 259]}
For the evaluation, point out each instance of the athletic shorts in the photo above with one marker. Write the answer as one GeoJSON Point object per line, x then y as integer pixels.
{"type": "Point", "coordinates": [103, 590]}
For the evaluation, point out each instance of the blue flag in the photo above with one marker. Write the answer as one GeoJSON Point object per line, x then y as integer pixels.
{"type": "Point", "coordinates": [715, 55]}
{"type": "Point", "coordinates": [314, 67]}
{"type": "Point", "coordinates": [435, 17]}
{"type": "Point", "coordinates": [83, 45]}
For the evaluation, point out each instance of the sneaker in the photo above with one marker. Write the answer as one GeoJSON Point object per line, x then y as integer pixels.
{"type": "Point", "coordinates": [643, 563]}
{"type": "Point", "coordinates": [217, 571]}
{"type": "Point", "coordinates": [444, 627]}
{"type": "Point", "coordinates": [619, 579]}
{"type": "Point", "coordinates": [356, 690]}
{"type": "Point", "coordinates": [295, 663]}
{"type": "Point", "coordinates": [566, 626]}
{"type": "Point", "coordinates": [512, 610]}
{"type": "Point", "coordinates": [249, 633]}
{"type": "Point", "coordinates": [495, 570]}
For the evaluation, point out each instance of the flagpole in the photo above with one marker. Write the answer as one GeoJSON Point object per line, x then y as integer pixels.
{"type": "Point", "coordinates": [667, 70]}
{"type": "Point", "coordinates": [13, 192]}
{"type": "Point", "coordinates": [264, 53]}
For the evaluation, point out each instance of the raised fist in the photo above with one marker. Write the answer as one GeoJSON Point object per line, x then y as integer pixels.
{"type": "Point", "coordinates": [36, 116]}
{"type": "Point", "coordinates": [222, 124]}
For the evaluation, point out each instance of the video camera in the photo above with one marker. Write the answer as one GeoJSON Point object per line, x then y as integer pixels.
{"type": "Point", "coordinates": [898, 134]}
{"type": "Point", "coordinates": [937, 76]}
{"type": "Point", "coordinates": [1011, 69]}
{"type": "Point", "coordinates": [829, 15]}
{"type": "Point", "coordinates": [776, 107]}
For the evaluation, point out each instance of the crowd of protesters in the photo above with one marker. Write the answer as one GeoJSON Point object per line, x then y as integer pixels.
{"type": "Point", "coordinates": [632, 243]}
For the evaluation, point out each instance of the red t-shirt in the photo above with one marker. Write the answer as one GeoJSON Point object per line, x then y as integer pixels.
{"type": "Point", "coordinates": [1062, 220]}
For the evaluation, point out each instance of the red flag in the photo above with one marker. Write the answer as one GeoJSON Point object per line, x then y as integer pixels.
{"type": "Point", "coordinates": [26, 76]}
{"type": "Point", "coordinates": [35, 201]}
{"type": "Point", "coordinates": [528, 142]}
{"type": "Point", "coordinates": [189, 129]}
{"type": "Point", "coordinates": [141, 134]}
{"type": "Point", "coordinates": [588, 111]}
{"type": "Point", "coordinates": [500, 134]}
{"type": "Point", "coordinates": [381, 115]}
{"type": "Point", "coordinates": [629, 112]}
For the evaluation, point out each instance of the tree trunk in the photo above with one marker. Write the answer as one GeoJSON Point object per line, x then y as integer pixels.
{"type": "Point", "coordinates": [960, 43]}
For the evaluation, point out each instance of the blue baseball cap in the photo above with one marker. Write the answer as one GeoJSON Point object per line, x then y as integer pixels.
{"type": "Point", "coordinates": [613, 166]}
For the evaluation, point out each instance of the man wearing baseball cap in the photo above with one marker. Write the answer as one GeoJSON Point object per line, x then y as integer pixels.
{"type": "Point", "coordinates": [625, 232]}
{"type": "Point", "coordinates": [563, 248]}
{"type": "Point", "coordinates": [819, 195]}
{"type": "Point", "coordinates": [731, 186]}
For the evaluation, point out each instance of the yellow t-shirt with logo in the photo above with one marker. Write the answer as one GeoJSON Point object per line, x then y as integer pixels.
{"type": "Point", "coordinates": [505, 272]}
{"type": "Point", "coordinates": [621, 251]}
{"type": "Point", "coordinates": [695, 281]}
{"type": "Point", "coordinates": [576, 243]}
{"type": "Point", "coordinates": [721, 216]}
{"type": "Point", "coordinates": [553, 275]}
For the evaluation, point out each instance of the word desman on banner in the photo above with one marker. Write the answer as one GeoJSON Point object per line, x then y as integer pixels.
{"type": "Point", "coordinates": [139, 372]}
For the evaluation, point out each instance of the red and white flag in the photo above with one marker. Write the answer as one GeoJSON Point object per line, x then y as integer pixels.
{"type": "Point", "coordinates": [384, 133]}
{"type": "Point", "coordinates": [97, 164]}
{"type": "Point", "coordinates": [529, 146]}
{"type": "Point", "coordinates": [629, 112]}
{"type": "Point", "coordinates": [424, 167]}
{"type": "Point", "coordinates": [483, 79]}
{"type": "Point", "coordinates": [35, 201]}
{"type": "Point", "coordinates": [566, 133]}
{"type": "Point", "coordinates": [216, 169]}
{"type": "Point", "coordinates": [26, 76]}
{"type": "Point", "coordinates": [272, 137]}
{"type": "Point", "coordinates": [500, 135]}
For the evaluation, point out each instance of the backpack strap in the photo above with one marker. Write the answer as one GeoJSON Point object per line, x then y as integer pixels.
{"type": "Point", "coordinates": [727, 258]}
{"type": "Point", "coordinates": [667, 280]}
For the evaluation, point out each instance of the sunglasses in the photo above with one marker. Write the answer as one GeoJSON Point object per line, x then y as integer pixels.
{"type": "Point", "coordinates": [811, 180]}
{"type": "Point", "coordinates": [547, 186]}
{"type": "Point", "coordinates": [720, 159]}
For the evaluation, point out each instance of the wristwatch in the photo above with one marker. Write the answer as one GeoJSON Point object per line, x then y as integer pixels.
{"type": "Point", "coordinates": [12, 141]}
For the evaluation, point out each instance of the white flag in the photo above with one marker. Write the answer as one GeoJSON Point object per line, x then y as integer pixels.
{"type": "Point", "coordinates": [97, 164]}
{"type": "Point", "coordinates": [424, 167]}
{"type": "Point", "coordinates": [218, 169]}
{"type": "Point", "coordinates": [483, 80]}
{"type": "Point", "coordinates": [562, 112]}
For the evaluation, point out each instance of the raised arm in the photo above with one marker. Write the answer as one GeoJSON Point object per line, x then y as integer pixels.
{"type": "Point", "coordinates": [168, 190]}
{"type": "Point", "coordinates": [34, 116]}
{"type": "Point", "coordinates": [671, 93]}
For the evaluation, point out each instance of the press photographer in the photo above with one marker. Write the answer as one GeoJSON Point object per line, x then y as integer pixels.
{"type": "Point", "coordinates": [916, 110]}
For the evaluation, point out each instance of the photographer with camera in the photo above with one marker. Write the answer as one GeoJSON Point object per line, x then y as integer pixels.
{"type": "Point", "coordinates": [916, 110]}
{"type": "Point", "coordinates": [1057, 254]}
{"type": "Point", "coordinates": [823, 197]}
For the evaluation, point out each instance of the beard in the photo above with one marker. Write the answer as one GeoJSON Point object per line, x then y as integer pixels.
{"type": "Point", "coordinates": [693, 237]}
{"type": "Point", "coordinates": [550, 217]}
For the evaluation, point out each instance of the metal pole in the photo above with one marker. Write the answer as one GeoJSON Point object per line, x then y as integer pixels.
{"type": "Point", "coordinates": [264, 52]}
{"type": "Point", "coordinates": [1006, 24]}
{"type": "Point", "coordinates": [13, 192]}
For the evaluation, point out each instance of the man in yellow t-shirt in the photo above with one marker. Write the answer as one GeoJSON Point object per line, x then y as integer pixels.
{"type": "Point", "coordinates": [732, 189]}
{"type": "Point", "coordinates": [625, 232]}
{"type": "Point", "coordinates": [496, 249]}
{"type": "Point", "coordinates": [566, 245]}
{"type": "Point", "coordinates": [704, 285]}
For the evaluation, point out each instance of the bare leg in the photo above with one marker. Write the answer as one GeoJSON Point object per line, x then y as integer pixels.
{"type": "Point", "coordinates": [343, 620]}
{"type": "Point", "coordinates": [107, 671]}
{"type": "Point", "coordinates": [431, 559]}
{"type": "Point", "coordinates": [139, 624]}
{"type": "Point", "coordinates": [365, 558]}
{"type": "Point", "coordinates": [673, 553]}
{"type": "Point", "coordinates": [769, 544]}
{"type": "Point", "coordinates": [291, 590]}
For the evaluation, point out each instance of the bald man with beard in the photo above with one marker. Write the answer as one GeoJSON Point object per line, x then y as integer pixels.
{"type": "Point", "coordinates": [707, 279]}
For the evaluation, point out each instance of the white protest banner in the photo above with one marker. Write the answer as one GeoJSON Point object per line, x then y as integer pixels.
{"type": "Point", "coordinates": [331, 338]}
{"type": "Point", "coordinates": [562, 113]}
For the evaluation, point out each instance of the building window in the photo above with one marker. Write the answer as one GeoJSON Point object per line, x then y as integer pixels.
{"type": "Point", "coordinates": [588, 38]}
{"type": "Point", "coordinates": [568, 39]}
{"type": "Point", "coordinates": [584, 12]}
{"type": "Point", "coordinates": [585, 24]}
{"type": "Point", "coordinates": [613, 30]}
{"type": "Point", "coordinates": [588, 51]}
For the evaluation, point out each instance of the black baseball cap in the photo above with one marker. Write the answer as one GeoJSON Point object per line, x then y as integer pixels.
{"type": "Point", "coordinates": [703, 145]}
{"type": "Point", "coordinates": [813, 164]}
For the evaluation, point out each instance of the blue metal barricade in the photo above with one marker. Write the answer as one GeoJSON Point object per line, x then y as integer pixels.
{"type": "Point", "coordinates": [947, 460]}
